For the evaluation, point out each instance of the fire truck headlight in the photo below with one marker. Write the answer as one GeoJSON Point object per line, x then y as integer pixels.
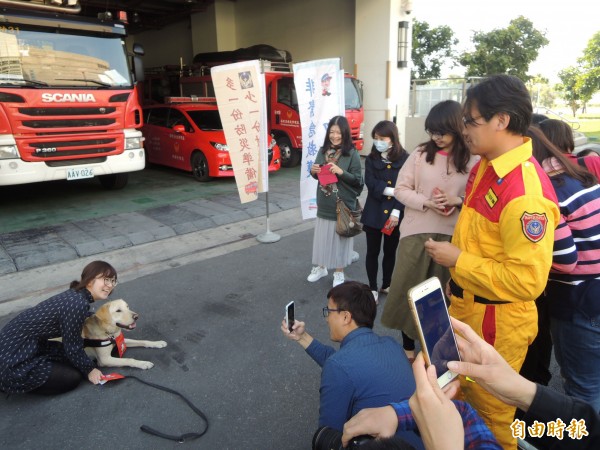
{"type": "Point", "coordinates": [9, 152]}
{"type": "Point", "coordinates": [133, 143]}
{"type": "Point", "coordinates": [220, 147]}
{"type": "Point", "coordinates": [361, 133]}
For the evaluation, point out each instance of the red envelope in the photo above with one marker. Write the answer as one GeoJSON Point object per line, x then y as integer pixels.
{"type": "Point", "coordinates": [326, 177]}
{"type": "Point", "coordinates": [386, 230]}
{"type": "Point", "coordinates": [110, 377]}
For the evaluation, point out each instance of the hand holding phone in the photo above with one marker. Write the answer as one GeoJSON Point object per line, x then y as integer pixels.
{"type": "Point", "coordinates": [289, 315]}
{"type": "Point", "coordinates": [438, 343]}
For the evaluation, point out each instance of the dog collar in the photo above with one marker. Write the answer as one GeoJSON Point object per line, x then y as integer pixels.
{"type": "Point", "coordinates": [97, 342]}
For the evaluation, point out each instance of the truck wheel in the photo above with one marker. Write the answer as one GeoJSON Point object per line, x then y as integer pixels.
{"type": "Point", "coordinates": [200, 167]}
{"type": "Point", "coordinates": [114, 181]}
{"type": "Point", "coordinates": [290, 157]}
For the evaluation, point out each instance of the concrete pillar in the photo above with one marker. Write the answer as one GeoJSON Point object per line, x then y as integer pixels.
{"type": "Point", "coordinates": [386, 87]}
{"type": "Point", "coordinates": [214, 30]}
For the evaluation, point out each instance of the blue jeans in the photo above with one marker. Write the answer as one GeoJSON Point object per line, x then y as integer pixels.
{"type": "Point", "coordinates": [577, 351]}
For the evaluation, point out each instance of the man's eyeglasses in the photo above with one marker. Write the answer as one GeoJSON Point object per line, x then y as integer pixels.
{"type": "Point", "coordinates": [436, 134]}
{"type": "Point", "coordinates": [327, 310]}
{"type": "Point", "coordinates": [470, 121]}
{"type": "Point", "coordinates": [110, 281]}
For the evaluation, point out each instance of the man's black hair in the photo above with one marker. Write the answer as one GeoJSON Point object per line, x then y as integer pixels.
{"type": "Point", "coordinates": [502, 94]}
{"type": "Point", "coordinates": [358, 300]}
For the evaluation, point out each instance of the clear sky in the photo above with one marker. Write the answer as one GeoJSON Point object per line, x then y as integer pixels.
{"type": "Point", "coordinates": [568, 25]}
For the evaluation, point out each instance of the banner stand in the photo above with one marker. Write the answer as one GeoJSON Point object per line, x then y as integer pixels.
{"type": "Point", "coordinates": [268, 237]}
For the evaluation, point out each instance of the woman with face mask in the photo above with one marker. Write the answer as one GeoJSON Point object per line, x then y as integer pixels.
{"type": "Point", "coordinates": [431, 186]}
{"type": "Point", "coordinates": [382, 212]}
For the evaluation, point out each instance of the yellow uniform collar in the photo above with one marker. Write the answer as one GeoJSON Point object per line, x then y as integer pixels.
{"type": "Point", "coordinates": [507, 162]}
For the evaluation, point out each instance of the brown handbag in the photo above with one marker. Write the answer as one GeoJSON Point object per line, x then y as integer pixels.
{"type": "Point", "coordinates": [348, 221]}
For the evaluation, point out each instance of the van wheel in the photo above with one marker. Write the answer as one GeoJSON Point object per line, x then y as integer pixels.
{"type": "Point", "coordinates": [200, 167]}
{"type": "Point", "coordinates": [114, 181]}
{"type": "Point", "coordinates": [290, 157]}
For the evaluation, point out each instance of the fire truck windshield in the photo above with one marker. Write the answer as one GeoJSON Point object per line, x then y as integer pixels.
{"type": "Point", "coordinates": [37, 58]}
{"type": "Point", "coordinates": [352, 93]}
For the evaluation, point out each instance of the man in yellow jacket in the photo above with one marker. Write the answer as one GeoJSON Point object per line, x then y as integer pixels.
{"type": "Point", "coordinates": [501, 250]}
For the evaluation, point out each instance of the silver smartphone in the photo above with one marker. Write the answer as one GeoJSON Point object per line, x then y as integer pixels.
{"type": "Point", "coordinates": [431, 317]}
{"type": "Point", "coordinates": [289, 315]}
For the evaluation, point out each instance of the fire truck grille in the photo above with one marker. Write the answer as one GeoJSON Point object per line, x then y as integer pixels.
{"type": "Point", "coordinates": [49, 112]}
{"type": "Point", "coordinates": [68, 123]}
{"type": "Point", "coordinates": [89, 151]}
{"type": "Point", "coordinates": [80, 147]}
{"type": "Point", "coordinates": [74, 162]}
{"type": "Point", "coordinates": [38, 145]}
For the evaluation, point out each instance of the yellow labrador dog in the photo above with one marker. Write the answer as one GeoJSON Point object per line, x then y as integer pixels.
{"type": "Point", "coordinates": [102, 334]}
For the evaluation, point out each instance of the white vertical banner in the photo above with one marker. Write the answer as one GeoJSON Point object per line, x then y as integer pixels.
{"type": "Point", "coordinates": [320, 90]}
{"type": "Point", "coordinates": [240, 93]}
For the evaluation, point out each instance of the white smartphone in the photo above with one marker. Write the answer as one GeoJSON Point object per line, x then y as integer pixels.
{"type": "Point", "coordinates": [289, 315]}
{"type": "Point", "coordinates": [431, 317]}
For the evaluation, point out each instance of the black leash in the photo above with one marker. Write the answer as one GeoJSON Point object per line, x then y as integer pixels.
{"type": "Point", "coordinates": [184, 437]}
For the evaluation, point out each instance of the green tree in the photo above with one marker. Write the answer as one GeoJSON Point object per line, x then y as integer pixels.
{"type": "Point", "coordinates": [569, 78]}
{"type": "Point", "coordinates": [542, 94]}
{"type": "Point", "coordinates": [506, 50]}
{"type": "Point", "coordinates": [431, 48]}
{"type": "Point", "coordinates": [589, 80]}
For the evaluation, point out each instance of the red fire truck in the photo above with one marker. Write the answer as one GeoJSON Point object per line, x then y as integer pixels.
{"type": "Point", "coordinates": [68, 108]}
{"type": "Point", "coordinates": [282, 102]}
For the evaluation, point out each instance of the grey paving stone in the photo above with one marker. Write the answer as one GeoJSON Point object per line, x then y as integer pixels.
{"type": "Point", "coordinates": [204, 224]}
{"type": "Point", "coordinates": [237, 216]}
{"type": "Point", "coordinates": [184, 228]}
{"type": "Point", "coordinates": [208, 208]}
{"type": "Point", "coordinates": [172, 215]}
{"type": "Point", "coordinates": [89, 248]}
{"type": "Point", "coordinates": [7, 266]}
{"type": "Point", "coordinates": [51, 251]}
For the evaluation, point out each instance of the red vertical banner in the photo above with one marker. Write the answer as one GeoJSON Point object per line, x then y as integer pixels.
{"type": "Point", "coordinates": [239, 89]}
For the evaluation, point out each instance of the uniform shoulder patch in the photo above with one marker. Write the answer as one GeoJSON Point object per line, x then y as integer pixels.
{"type": "Point", "coordinates": [534, 225]}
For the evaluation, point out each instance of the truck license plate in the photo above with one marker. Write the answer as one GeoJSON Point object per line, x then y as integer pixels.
{"type": "Point", "coordinates": [80, 173]}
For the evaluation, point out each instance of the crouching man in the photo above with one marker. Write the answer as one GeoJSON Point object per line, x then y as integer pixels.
{"type": "Point", "coordinates": [367, 371]}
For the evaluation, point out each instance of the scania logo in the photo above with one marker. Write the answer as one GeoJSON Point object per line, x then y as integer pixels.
{"type": "Point", "coordinates": [61, 98]}
{"type": "Point", "coordinates": [102, 110]}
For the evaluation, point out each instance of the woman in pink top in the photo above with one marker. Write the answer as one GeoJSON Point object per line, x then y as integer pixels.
{"type": "Point", "coordinates": [431, 185]}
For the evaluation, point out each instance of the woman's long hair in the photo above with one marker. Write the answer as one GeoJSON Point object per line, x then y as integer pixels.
{"type": "Point", "coordinates": [92, 271]}
{"type": "Point", "coordinates": [446, 117]}
{"type": "Point", "coordinates": [388, 129]}
{"type": "Point", "coordinates": [544, 149]}
{"type": "Point", "coordinates": [559, 133]}
{"type": "Point", "coordinates": [347, 145]}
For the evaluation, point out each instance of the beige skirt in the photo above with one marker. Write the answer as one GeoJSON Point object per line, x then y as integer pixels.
{"type": "Point", "coordinates": [413, 265]}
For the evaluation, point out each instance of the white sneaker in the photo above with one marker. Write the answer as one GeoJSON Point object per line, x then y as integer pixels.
{"type": "Point", "coordinates": [355, 257]}
{"type": "Point", "coordinates": [376, 297]}
{"type": "Point", "coordinates": [338, 278]}
{"type": "Point", "coordinates": [317, 273]}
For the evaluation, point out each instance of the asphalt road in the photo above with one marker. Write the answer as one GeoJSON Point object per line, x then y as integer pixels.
{"type": "Point", "coordinates": [225, 352]}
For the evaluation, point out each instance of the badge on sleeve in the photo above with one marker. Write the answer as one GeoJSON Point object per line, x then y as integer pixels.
{"type": "Point", "coordinates": [534, 226]}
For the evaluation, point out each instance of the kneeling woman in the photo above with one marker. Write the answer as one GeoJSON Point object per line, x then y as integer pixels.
{"type": "Point", "coordinates": [29, 362]}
